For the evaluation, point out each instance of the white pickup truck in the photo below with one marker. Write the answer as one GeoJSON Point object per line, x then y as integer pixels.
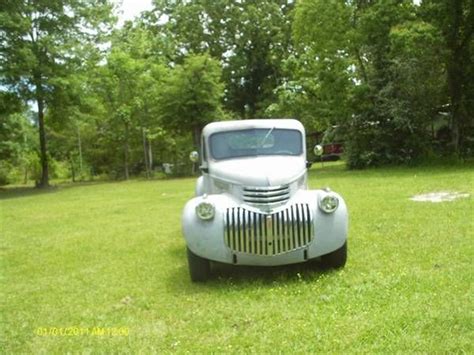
{"type": "Point", "coordinates": [252, 204]}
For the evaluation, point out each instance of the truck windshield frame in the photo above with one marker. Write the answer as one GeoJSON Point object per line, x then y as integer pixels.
{"type": "Point", "coordinates": [255, 142]}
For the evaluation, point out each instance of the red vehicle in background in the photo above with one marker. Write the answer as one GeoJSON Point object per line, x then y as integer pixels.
{"type": "Point", "coordinates": [332, 151]}
{"type": "Point", "coordinates": [331, 143]}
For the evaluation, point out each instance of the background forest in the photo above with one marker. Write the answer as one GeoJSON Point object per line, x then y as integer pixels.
{"type": "Point", "coordinates": [83, 98]}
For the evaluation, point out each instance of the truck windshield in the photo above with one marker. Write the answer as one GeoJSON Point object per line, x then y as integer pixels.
{"type": "Point", "coordinates": [256, 141]}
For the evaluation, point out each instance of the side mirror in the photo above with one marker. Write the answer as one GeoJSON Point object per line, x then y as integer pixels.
{"type": "Point", "coordinates": [194, 156]}
{"type": "Point", "coordinates": [318, 150]}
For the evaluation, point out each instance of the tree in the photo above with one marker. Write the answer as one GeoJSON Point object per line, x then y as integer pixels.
{"type": "Point", "coordinates": [120, 93]}
{"type": "Point", "coordinates": [249, 38]}
{"type": "Point", "coordinates": [137, 41]}
{"type": "Point", "coordinates": [74, 109]}
{"type": "Point", "coordinates": [191, 96]}
{"type": "Point", "coordinates": [129, 85]}
{"type": "Point", "coordinates": [327, 64]}
{"type": "Point", "coordinates": [371, 67]}
{"type": "Point", "coordinates": [418, 77]}
{"type": "Point", "coordinates": [17, 142]}
{"type": "Point", "coordinates": [38, 38]}
{"type": "Point", "coordinates": [455, 20]}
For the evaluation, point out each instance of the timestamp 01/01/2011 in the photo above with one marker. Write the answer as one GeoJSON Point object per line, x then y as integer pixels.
{"type": "Point", "coordinates": [82, 331]}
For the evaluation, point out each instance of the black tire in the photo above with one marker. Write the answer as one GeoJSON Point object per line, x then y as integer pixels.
{"type": "Point", "coordinates": [335, 259]}
{"type": "Point", "coordinates": [199, 268]}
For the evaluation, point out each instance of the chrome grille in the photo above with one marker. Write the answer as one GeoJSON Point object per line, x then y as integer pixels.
{"type": "Point", "coordinates": [268, 234]}
{"type": "Point", "coordinates": [266, 195]}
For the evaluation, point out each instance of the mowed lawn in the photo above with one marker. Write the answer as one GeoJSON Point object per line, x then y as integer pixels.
{"type": "Point", "coordinates": [111, 255]}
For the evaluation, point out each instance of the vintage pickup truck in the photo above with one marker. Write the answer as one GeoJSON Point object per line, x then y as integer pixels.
{"type": "Point", "coordinates": [252, 205]}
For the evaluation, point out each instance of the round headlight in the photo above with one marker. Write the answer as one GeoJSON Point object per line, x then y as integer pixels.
{"type": "Point", "coordinates": [205, 210]}
{"type": "Point", "coordinates": [329, 203]}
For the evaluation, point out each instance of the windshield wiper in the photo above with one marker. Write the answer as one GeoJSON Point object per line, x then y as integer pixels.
{"type": "Point", "coordinates": [265, 138]}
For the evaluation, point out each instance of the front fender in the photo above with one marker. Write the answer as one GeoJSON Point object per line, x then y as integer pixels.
{"type": "Point", "coordinates": [330, 229]}
{"type": "Point", "coordinates": [206, 238]}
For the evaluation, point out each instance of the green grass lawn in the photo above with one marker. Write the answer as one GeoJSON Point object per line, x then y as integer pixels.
{"type": "Point", "coordinates": [112, 255]}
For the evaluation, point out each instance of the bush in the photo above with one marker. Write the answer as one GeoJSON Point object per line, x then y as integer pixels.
{"type": "Point", "coordinates": [28, 166]}
{"type": "Point", "coordinates": [374, 143]}
{"type": "Point", "coordinates": [5, 169]}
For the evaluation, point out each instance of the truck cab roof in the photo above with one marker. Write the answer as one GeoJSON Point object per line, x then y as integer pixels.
{"type": "Point", "coordinates": [282, 123]}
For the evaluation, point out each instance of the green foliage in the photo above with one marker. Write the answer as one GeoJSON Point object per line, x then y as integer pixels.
{"type": "Point", "coordinates": [397, 128]}
{"type": "Point", "coordinates": [250, 38]}
{"type": "Point", "coordinates": [454, 19]}
{"type": "Point", "coordinates": [42, 43]}
{"type": "Point", "coordinates": [330, 20]}
{"type": "Point", "coordinates": [128, 89]}
{"type": "Point", "coordinates": [191, 96]}
{"type": "Point", "coordinates": [378, 70]}
{"type": "Point", "coordinates": [18, 141]}
{"type": "Point", "coordinates": [318, 95]}
{"type": "Point", "coordinates": [393, 76]}
{"type": "Point", "coordinates": [5, 170]}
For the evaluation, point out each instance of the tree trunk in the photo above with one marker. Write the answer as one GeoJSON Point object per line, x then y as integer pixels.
{"type": "Point", "coordinates": [26, 161]}
{"type": "Point", "coordinates": [44, 182]}
{"type": "Point", "coordinates": [455, 93]}
{"type": "Point", "coordinates": [458, 42]}
{"type": "Point", "coordinates": [362, 66]}
{"type": "Point", "coordinates": [150, 155]}
{"type": "Point", "coordinates": [73, 170]}
{"type": "Point", "coordinates": [79, 148]}
{"type": "Point", "coordinates": [455, 87]}
{"type": "Point", "coordinates": [25, 181]}
{"type": "Point", "coordinates": [145, 154]}
{"type": "Point", "coordinates": [125, 151]}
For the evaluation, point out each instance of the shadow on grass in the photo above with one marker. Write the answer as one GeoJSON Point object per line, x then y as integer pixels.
{"type": "Point", "coordinates": [18, 192]}
{"type": "Point", "coordinates": [225, 277]}
{"type": "Point", "coordinates": [10, 192]}
{"type": "Point", "coordinates": [7, 193]}
{"type": "Point", "coordinates": [268, 275]}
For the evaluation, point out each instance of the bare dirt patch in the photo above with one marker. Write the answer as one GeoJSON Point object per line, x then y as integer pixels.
{"type": "Point", "coordinates": [441, 196]}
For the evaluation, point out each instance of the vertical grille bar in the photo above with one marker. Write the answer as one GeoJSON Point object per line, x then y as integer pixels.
{"type": "Point", "coordinates": [233, 230]}
{"type": "Point", "coordinates": [264, 235]}
{"type": "Point", "coordinates": [283, 234]}
{"type": "Point", "coordinates": [238, 227]}
{"type": "Point", "coordinates": [303, 224]}
{"type": "Point", "coordinates": [273, 235]}
{"type": "Point", "coordinates": [227, 228]}
{"type": "Point", "coordinates": [250, 235]}
{"type": "Point", "coordinates": [298, 229]}
{"type": "Point", "coordinates": [278, 235]}
{"type": "Point", "coordinates": [293, 233]}
{"type": "Point", "coordinates": [246, 230]}
{"type": "Point", "coordinates": [242, 221]}
{"type": "Point", "coordinates": [281, 239]}
{"type": "Point", "coordinates": [288, 221]}
{"type": "Point", "coordinates": [309, 222]}
{"type": "Point", "coordinates": [259, 233]}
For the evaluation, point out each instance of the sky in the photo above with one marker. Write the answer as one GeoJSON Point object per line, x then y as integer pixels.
{"type": "Point", "coordinates": [132, 8]}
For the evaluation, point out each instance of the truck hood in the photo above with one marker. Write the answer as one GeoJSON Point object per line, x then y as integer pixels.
{"type": "Point", "coordinates": [259, 171]}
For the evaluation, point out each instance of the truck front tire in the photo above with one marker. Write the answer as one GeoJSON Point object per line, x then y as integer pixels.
{"type": "Point", "coordinates": [335, 259]}
{"type": "Point", "coordinates": [199, 268]}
